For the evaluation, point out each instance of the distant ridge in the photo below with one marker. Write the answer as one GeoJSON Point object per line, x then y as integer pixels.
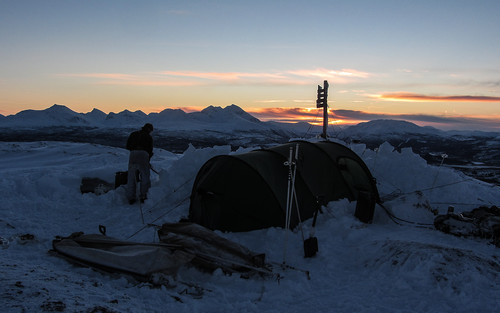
{"type": "Point", "coordinates": [229, 118]}
{"type": "Point", "coordinates": [175, 130]}
{"type": "Point", "coordinates": [389, 127]}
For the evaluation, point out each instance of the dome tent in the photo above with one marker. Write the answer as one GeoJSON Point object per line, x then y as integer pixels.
{"type": "Point", "coordinates": [248, 191]}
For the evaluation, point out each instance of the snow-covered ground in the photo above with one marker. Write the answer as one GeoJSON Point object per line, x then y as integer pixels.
{"type": "Point", "coordinates": [378, 267]}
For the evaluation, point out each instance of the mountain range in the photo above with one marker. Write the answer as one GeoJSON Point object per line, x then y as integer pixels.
{"type": "Point", "coordinates": [475, 152]}
{"type": "Point", "coordinates": [230, 118]}
{"type": "Point", "coordinates": [174, 129]}
{"type": "Point", "coordinates": [223, 119]}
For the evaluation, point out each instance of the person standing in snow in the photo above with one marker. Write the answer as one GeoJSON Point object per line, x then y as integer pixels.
{"type": "Point", "coordinates": [140, 144]}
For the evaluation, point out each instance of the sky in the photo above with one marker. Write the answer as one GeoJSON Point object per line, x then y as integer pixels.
{"type": "Point", "coordinates": [429, 62]}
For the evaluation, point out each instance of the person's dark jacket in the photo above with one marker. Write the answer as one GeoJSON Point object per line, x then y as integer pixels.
{"type": "Point", "coordinates": [140, 140]}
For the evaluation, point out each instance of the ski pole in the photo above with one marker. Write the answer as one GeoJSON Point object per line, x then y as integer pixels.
{"type": "Point", "coordinates": [140, 208]}
{"type": "Point", "coordinates": [137, 187]}
{"type": "Point", "coordinates": [287, 221]}
{"type": "Point", "coordinates": [151, 167]}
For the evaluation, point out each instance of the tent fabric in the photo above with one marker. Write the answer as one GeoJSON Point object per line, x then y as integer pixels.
{"type": "Point", "coordinates": [248, 191]}
{"type": "Point", "coordinates": [239, 192]}
{"type": "Point", "coordinates": [137, 259]}
{"type": "Point", "coordinates": [181, 244]}
{"type": "Point", "coordinates": [212, 251]}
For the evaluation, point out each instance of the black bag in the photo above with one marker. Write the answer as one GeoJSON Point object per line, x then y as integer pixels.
{"type": "Point", "coordinates": [365, 207]}
{"type": "Point", "coordinates": [310, 247]}
{"type": "Point", "coordinates": [311, 244]}
{"type": "Point", "coordinates": [120, 179]}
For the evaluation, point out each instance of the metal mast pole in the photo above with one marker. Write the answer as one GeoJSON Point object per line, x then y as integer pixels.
{"type": "Point", "coordinates": [322, 102]}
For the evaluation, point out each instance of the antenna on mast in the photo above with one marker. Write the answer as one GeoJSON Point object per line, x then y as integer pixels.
{"type": "Point", "coordinates": [322, 102]}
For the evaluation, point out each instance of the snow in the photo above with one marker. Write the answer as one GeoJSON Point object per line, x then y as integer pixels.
{"type": "Point", "coordinates": [378, 267]}
{"type": "Point", "coordinates": [386, 127]}
{"type": "Point", "coordinates": [229, 118]}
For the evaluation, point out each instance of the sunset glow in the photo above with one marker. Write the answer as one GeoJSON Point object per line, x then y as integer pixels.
{"type": "Point", "coordinates": [427, 98]}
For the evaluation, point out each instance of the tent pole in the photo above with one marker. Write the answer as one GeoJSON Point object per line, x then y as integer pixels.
{"type": "Point", "coordinates": [294, 194]}
{"type": "Point", "coordinates": [287, 213]}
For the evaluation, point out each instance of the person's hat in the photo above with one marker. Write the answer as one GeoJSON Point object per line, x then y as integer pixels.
{"type": "Point", "coordinates": [148, 127]}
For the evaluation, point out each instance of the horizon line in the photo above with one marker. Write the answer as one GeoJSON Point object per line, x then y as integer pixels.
{"type": "Point", "coordinates": [336, 116]}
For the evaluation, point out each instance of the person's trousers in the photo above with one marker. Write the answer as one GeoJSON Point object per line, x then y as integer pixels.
{"type": "Point", "coordinates": [138, 172]}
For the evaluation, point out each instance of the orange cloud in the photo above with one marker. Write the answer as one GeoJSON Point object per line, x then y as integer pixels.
{"type": "Point", "coordinates": [424, 98]}
{"type": "Point", "coordinates": [132, 80]}
{"type": "Point", "coordinates": [152, 83]}
{"type": "Point", "coordinates": [310, 115]}
{"type": "Point", "coordinates": [270, 101]}
{"type": "Point", "coordinates": [317, 73]}
{"type": "Point", "coordinates": [223, 75]}
{"type": "Point", "coordinates": [338, 77]}
{"type": "Point", "coordinates": [347, 117]}
{"type": "Point", "coordinates": [119, 76]}
{"type": "Point", "coordinates": [192, 78]}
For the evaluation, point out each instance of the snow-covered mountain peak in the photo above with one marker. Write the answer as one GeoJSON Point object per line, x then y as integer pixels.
{"type": "Point", "coordinates": [223, 113]}
{"type": "Point", "coordinates": [58, 108]}
{"type": "Point", "coordinates": [211, 110]}
{"type": "Point", "coordinates": [167, 116]}
{"type": "Point", "coordinates": [96, 115]}
{"type": "Point", "coordinates": [389, 127]}
{"type": "Point", "coordinates": [229, 118]}
{"type": "Point", "coordinates": [56, 115]}
{"type": "Point", "coordinates": [236, 110]}
{"type": "Point", "coordinates": [211, 118]}
{"type": "Point", "coordinates": [395, 126]}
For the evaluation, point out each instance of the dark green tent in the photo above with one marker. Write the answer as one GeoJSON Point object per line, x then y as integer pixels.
{"type": "Point", "coordinates": [248, 191]}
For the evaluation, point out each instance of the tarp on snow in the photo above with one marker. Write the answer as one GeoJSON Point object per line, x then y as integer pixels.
{"type": "Point", "coordinates": [210, 250]}
{"type": "Point", "coordinates": [180, 244]}
{"type": "Point", "coordinates": [483, 222]}
{"type": "Point", "coordinates": [248, 191]}
{"type": "Point", "coordinates": [110, 254]}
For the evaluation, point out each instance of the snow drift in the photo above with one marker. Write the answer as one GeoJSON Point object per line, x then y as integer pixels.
{"type": "Point", "coordinates": [380, 267]}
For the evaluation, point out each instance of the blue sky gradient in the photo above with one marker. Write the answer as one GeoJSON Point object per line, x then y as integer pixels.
{"type": "Point", "coordinates": [381, 58]}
